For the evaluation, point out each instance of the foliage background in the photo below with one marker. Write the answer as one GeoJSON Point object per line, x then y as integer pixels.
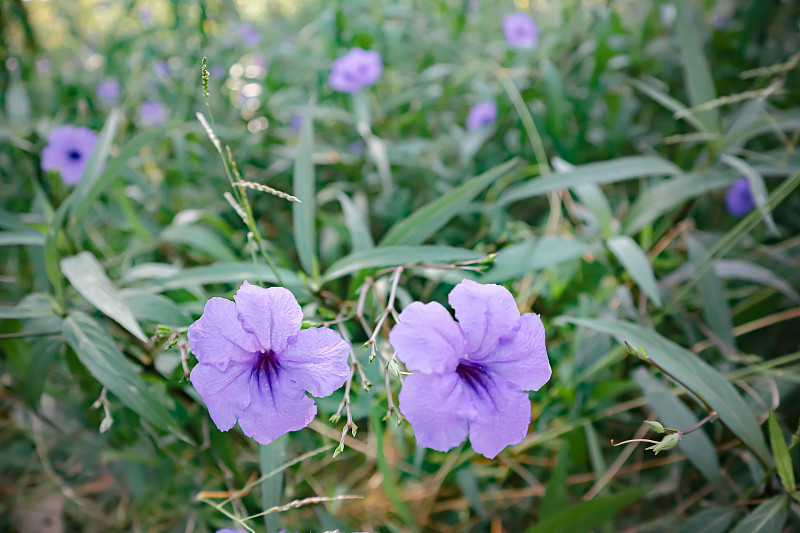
{"type": "Point", "coordinates": [605, 252]}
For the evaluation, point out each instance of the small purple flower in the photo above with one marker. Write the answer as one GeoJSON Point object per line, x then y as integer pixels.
{"type": "Point", "coordinates": [162, 69]}
{"type": "Point", "coordinates": [739, 199]}
{"type": "Point", "coordinates": [67, 151]}
{"type": "Point", "coordinates": [108, 90]}
{"type": "Point", "coordinates": [480, 115]}
{"type": "Point", "coordinates": [228, 530]}
{"type": "Point", "coordinates": [146, 16]}
{"type": "Point", "coordinates": [250, 35]}
{"type": "Point", "coordinates": [217, 71]}
{"type": "Point", "coordinates": [355, 70]}
{"type": "Point", "coordinates": [255, 363]}
{"type": "Point", "coordinates": [152, 113]}
{"type": "Point", "coordinates": [43, 66]}
{"type": "Point", "coordinates": [356, 147]}
{"type": "Point", "coordinates": [520, 31]}
{"type": "Point", "coordinates": [297, 122]}
{"type": "Point", "coordinates": [472, 374]}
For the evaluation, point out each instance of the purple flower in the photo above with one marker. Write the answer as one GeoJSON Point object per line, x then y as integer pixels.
{"type": "Point", "coordinates": [68, 149]}
{"type": "Point", "coordinates": [146, 16]}
{"type": "Point", "coordinates": [228, 530]}
{"type": "Point", "coordinates": [472, 374]}
{"type": "Point", "coordinates": [480, 115]}
{"type": "Point", "coordinates": [297, 122]}
{"type": "Point", "coordinates": [250, 35]}
{"type": "Point", "coordinates": [162, 69]}
{"type": "Point", "coordinates": [255, 363]}
{"type": "Point", "coordinates": [217, 71]}
{"type": "Point", "coordinates": [108, 90]}
{"type": "Point", "coordinates": [152, 113]}
{"type": "Point", "coordinates": [739, 199]}
{"type": "Point", "coordinates": [356, 148]}
{"type": "Point", "coordinates": [355, 70]}
{"type": "Point", "coordinates": [520, 31]}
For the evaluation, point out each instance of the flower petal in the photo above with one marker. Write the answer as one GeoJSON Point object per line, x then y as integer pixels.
{"type": "Point", "coordinates": [427, 338]}
{"type": "Point", "coordinates": [272, 315]}
{"type": "Point", "coordinates": [522, 359]}
{"type": "Point", "coordinates": [276, 407]}
{"type": "Point", "coordinates": [485, 313]}
{"type": "Point", "coordinates": [504, 414]}
{"type": "Point", "coordinates": [217, 337]}
{"type": "Point", "coordinates": [316, 360]}
{"type": "Point", "coordinates": [226, 393]}
{"type": "Point", "coordinates": [438, 407]}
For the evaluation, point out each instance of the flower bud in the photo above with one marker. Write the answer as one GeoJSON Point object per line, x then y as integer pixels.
{"type": "Point", "coordinates": [655, 426]}
{"type": "Point", "coordinates": [669, 442]}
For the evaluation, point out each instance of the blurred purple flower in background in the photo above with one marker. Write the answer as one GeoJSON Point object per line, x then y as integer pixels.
{"type": "Point", "coordinates": [67, 151]}
{"type": "Point", "coordinates": [255, 363]}
{"type": "Point", "coordinates": [250, 35]}
{"type": "Point", "coordinates": [355, 70]}
{"type": "Point", "coordinates": [356, 147]}
{"type": "Point", "coordinates": [297, 122]}
{"type": "Point", "coordinates": [480, 115]}
{"type": "Point", "coordinates": [108, 91]}
{"type": "Point", "coordinates": [43, 66]}
{"type": "Point", "coordinates": [520, 31]}
{"type": "Point", "coordinates": [162, 69]}
{"type": "Point", "coordinates": [146, 16]}
{"type": "Point", "coordinates": [217, 71]}
{"type": "Point", "coordinates": [739, 199]}
{"type": "Point", "coordinates": [152, 113]}
{"type": "Point", "coordinates": [472, 374]}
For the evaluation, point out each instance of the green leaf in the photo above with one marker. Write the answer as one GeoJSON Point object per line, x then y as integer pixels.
{"type": "Point", "coordinates": [769, 517]}
{"type": "Point", "coordinates": [360, 234]}
{"type": "Point", "coordinates": [198, 238]}
{"type": "Point", "coordinates": [783, 461]}
{"type": "Point", "coordinates": [593, 198]}
{"type": "Point", "coordinates": [671, 193]}
{"type": "Point", "coordinates": [529, 256]}
{"type": "Point", "coordinates": [87, 276]}
{"type": "Point", "coordinates": [555, 494]}
{"type": "Point", "coordinates": [43, 354]}
{"type": "Point", "coordinates": [713, 520]}
{"type": "Point", "coordinates": [714, 302]}
{"type": "Point", "coordinates": [234, 273]}
{"type": "Point", "coordinates": [27, 237]}
{"type": "Point", "coordinates": [91, 187]}
{"type": "Point", "coordinates": [615, 170]}
{"type": "Point", "coordinates": [587, 516]}
{"type": "Point", "coordinates": [391, 256]}
{"type": "Point", "coordinates": [35, 305]}
{"type": "Point", "coordinates": [696, 72]}
{"type": "Point", "coordinates": [467, 482]}
{"type": "Point", "coordinates": [304, 212]}
{"type": "Point", "coordinates": [671, 104]}
{"type": "Point", "coordinates": [673, 412]}
{"type": "Point", "coordinates": [271, 457]}
{"type": "Point", "coordinates": [154, 308]}
{"type": "Point", "coordinates": [97, 161]}
{"type": "Point", "coordinates": [101, 357]}
{"type": "Point", "coordinates": [430, 218]}
{"type": "Point", "coordinates": [636, 263]}
{"type": "Point", "coordinates": [695, 374]}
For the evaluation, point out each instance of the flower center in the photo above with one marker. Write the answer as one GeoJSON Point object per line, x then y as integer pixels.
{"type": "Point", "coordinates": [74, 155]}
{"type": "Point", "coordinates": [473, 375]}
{"type": "Point", "coordinates": [266, 366]}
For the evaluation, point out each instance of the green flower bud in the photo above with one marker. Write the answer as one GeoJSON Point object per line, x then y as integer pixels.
{"type": "Point", "coordinates": [669, 442]}
{"type": "Point", "coordinates": [655, 426]}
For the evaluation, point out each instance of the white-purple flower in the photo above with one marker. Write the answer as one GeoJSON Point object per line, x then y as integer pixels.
{"type": "Point", "coordinates": [297, 122]}
{"type": "Point", "coordinates": [481, 114]}
{"type": "Point", "coordinates": [471, 375]}
{"type": "Point", "coordinates": [739, 199]}
{"type": "Point", "coordinates": [108, 91]}
{"type": "Point", "coordinates": [67, 151]}
{"type": "Point", "coordinates": [250, 35]}
{"type": "Point", "coordinates": [520, 31]}
{"type": "Point", "coordinates": [152, 113]}
{"type": "Point", "coordinates": [255, 363]}
{"type": "Point", "coordinates": [355, 70]}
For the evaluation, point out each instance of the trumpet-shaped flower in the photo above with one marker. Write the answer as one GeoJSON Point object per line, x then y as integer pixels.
{"type": "Point", "coordinates": [355, 70]}
{"type": "Point", "coordinates": [152, 113]}
{"type": "Point", "coordinates": [471, 374]}
{"type": "Point", "coordinates": [481, 114]}
{"type": "Point", "coordinates": [67, 151]}
{"type": "Point", "coordinates": [255, 363]}
{"type": "Point", "coordinates": [520, 31]}
{"type": "Point", "coordinates": [739, 199]}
